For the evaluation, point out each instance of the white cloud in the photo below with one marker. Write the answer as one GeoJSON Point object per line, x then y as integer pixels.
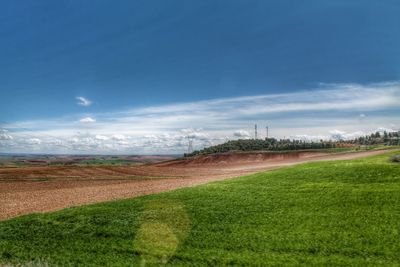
{"type": "Point", "coordinates": [87, 120]}
{"type": "Point", "coordinates": [342, 135]}
{"type": "Point", "coordinates": [309, 138]}
{"type": "Point", "coordinates": [194, 134]}
{"type": "Point", "coordinates": [334, 135]}
{"type": "Point", "coordinates": [340, 98]}
{"type": "Point", "coordinates": [82, 101]}
{"type": "Point", "coordinates": [34, 141]}
{"type": "Point", "coordinates": [101, 137]}
{"type": "Point", "coordinates": [394, 127]}
{"type": "Point", "coordinates": [337, 135]}
{"type": "Point", "coordinates": [242, 134]}
{"type": "Point", "coordinates": [4, 135]}
{"type": "Point", "coordinates": [118, 137]}
{"type": "Point", "coordinates": [385, 129]}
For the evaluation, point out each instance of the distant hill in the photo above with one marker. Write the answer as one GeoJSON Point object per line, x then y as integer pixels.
{"type": "Point", "coordinates": [272, 144]}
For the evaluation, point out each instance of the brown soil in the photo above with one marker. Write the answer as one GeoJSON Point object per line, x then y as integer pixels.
{"type": "Point", "coordinates": [239, 158]}
{"type": "Point", "coordinates": [39, 189]}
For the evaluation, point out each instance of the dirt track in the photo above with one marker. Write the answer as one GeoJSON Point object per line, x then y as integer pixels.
{"type": "Point", "coordinates": [40, 189]}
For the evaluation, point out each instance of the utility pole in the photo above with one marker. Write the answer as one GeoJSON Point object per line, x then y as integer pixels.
{"type": "Point", "coordinates": [255, 131]}
{"type": "Point", "coordinates": [266, 128]}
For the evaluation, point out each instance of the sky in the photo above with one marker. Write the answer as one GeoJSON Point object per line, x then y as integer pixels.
{"type": "Point", "coordinates": [139, 77]}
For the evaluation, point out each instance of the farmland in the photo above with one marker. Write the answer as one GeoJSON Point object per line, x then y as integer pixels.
{"type": "Point", "coordinates": [342, 212]}
{"type": "Point", "coordinates": [26, 160]}
{"type": "Point", "coordinates": [46, 188]}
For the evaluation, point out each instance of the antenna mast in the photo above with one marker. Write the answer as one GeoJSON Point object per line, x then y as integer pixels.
{"type": "Point", "coordinates": [266, 128]}
{"type": "Point", "coordinates": [255, 131]}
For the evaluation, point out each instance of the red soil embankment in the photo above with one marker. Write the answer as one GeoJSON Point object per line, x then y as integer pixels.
{"type": "Point", "coordinates": [233, 158]}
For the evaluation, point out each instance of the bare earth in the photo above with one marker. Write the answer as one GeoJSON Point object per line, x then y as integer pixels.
{"type": "Point", "coordinates": [40, 189]}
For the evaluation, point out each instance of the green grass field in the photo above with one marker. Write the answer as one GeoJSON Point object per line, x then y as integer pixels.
{"type": "Point", "coordinates": [338, 213]}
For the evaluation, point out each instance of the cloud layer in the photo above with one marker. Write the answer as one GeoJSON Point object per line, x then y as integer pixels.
{"type": "Point", "coordinates": [332, 112]}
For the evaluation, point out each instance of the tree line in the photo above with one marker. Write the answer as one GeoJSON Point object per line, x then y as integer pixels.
{"type": "Point", "coordinates": [385, 138]}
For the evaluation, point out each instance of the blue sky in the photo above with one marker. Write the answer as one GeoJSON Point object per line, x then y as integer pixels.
{"type": "Point", "coordinates": [135, 62]}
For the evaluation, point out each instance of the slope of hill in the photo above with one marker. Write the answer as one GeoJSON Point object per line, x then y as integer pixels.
{"type": "Point", "coordinates": [241, 157]}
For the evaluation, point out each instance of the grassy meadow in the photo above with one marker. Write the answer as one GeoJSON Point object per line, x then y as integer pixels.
{"type": "Point", "coordinates": [337, 213]}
